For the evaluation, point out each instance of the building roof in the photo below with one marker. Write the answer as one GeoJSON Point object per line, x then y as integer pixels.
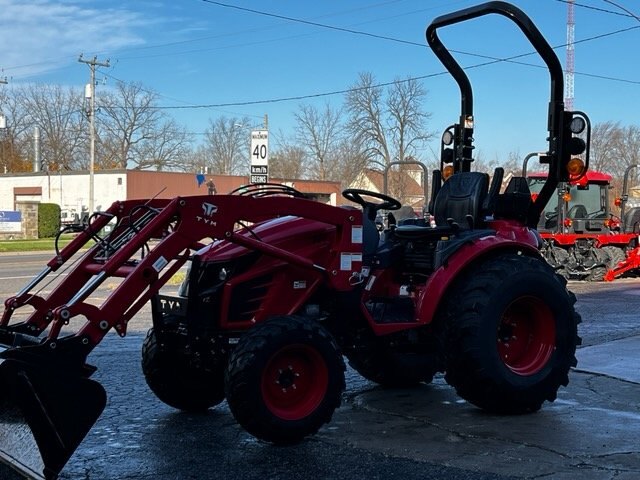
{"type": "Point", "coordinates": [147, 184]}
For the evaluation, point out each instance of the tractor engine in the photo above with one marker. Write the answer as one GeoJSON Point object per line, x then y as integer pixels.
{"type": "Point", "coordinates": [418, 256]}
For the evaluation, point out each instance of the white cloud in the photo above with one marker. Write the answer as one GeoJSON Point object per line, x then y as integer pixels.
{"type": "Point", "coordinates": [43, 35]}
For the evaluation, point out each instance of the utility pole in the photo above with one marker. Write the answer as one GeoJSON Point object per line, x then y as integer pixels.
{"type": "Point", "coordinates": [3, 128]}
{"type": "Point", "coordinates": [93, 63]}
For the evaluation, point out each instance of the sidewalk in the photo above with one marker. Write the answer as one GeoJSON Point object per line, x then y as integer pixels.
{"type": "Point", "coordinates": [590, 432]}
{"type": "Point", "coordinates": [618, 359]}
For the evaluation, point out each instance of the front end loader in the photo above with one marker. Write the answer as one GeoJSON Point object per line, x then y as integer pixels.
{"type": "Point", "coordinates": [280, 288]}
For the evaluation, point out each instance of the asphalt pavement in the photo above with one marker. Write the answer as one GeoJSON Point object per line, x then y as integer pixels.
{"type": "Point", "coordinates": [590, 432]}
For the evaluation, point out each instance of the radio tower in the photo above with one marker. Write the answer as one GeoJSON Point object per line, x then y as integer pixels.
{"type": "Point", "coordinates": [570, 64]}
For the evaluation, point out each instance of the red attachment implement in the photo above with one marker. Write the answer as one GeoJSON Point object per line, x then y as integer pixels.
{"type": "Point", "coordinates": [43, 371]}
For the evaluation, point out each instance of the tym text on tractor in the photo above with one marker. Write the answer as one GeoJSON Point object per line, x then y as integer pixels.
{"type": "Point", "coordinates": [281, 287]}
{"type": "Point", "coordinates": [583, 238]}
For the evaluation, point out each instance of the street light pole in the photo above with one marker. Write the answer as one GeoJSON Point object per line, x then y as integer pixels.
{"type": "Point", "coordinates": [92, 122]}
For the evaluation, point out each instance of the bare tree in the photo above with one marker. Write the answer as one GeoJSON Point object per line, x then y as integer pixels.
{"type": "Point", "coordinates": [167, 147]}
{"type": "Point", "coordinates": [605, 143]}
{"type": "Point", "coordinates": [512, 164]}
{"type": "Point", "coordinates": [226, 146]}
{"type": "Point", "coordinates": [390, 124]}
{"type": "Point", "coordinates": [629, 145]}
{"type": "Point", "coordinates": [613, 149]}
{"type": "Point", "coordinates": [287, 160]}
{"type": "Point", "coordinates": [58, 113]}
{"type": "Point", "coordinates": [319, 132]}
{"type": "Point", "coordinates": [134, 133]}
{"type": "Point", "coordinates": [349, 161]}
{"type": "Point", "coordinates": [627, 153]}
{"type": "Point", "coordinates": [15, 139]}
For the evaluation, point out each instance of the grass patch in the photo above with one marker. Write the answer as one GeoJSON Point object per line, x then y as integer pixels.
{"type": "Point", "coordinates": [40, 244]}
{"type": "Point", "coordinates": [177, 278]}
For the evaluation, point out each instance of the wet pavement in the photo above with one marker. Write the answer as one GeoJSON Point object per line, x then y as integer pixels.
{"type": "Point", "coordinates": [589, 432]}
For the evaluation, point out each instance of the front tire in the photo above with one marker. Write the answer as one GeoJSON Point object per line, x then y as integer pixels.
{"type": "Point", "coordinates": [512, 334]}
{"type": "Point", "coordinates": [285, 379]}
{"type": "Point", "coordinates": [175, 378]}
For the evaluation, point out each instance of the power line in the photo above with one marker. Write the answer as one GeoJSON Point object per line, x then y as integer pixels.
{"type": "Point", "coordinates": [198, 39]}
{"type": "Point", "coordinates": [623, 9]}
{"type": "Point", "coordinates": [315, 24]}
{"type": "Point", "coordinates": [189, 104]}
{"type": "Point", "coordinates": [603, 10]}
{"type": "Point", "coordinates": [491, 61]}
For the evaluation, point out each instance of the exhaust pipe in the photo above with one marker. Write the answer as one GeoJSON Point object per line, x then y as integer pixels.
{"type": "Point", "coordinates": [46, 410]}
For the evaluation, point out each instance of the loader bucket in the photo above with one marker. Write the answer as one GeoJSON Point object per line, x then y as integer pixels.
{"type": "Point", "coordinates": [44, 416]}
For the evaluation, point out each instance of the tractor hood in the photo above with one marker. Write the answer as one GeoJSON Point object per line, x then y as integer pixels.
{"type": "Point", "coordinates": [286, 232]}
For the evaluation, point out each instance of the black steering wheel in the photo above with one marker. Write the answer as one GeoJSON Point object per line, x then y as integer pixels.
{"type": "Point", "coordinates": [356, 194]}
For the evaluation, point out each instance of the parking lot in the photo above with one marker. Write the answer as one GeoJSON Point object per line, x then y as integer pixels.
{"type": "Point", "coordinates": [590, 431]}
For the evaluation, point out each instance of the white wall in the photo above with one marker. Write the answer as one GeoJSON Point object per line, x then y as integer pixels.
{"type": "Point", "coordinates": [69, 190]}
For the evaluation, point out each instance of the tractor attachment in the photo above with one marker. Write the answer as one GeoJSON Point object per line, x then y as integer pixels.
{"type": "Point", "coordinates": [44, 412]}
{"type": "Point", "coordinates": [47, 401]}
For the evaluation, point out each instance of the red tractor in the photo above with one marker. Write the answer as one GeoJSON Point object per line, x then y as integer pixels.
{"type": "Point", "coordinates": [281, 287]}
{"type": "Point", "coordinates": [583, 239]}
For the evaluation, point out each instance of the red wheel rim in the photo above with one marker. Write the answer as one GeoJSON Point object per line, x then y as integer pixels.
{"type": "Point", "coordinates": [526, 335]}
{"type": "Point", "coordinates": [294, 382]}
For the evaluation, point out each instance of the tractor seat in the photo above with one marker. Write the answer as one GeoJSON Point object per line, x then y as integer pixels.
{"type": "Point", "coordinates": [578, 211]}
{"type": "Point", "coordinates": [459, 205]}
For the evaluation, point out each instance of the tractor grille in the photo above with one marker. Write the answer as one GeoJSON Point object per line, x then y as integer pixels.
{"type": "Point", "coordinates": [247, 298]}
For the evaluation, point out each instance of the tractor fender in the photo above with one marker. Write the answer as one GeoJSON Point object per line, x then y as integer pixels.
{"type": "Point", "coordinates": [443, 278]}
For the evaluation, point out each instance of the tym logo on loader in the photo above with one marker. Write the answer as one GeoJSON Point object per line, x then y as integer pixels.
{"type": "Point", "coordinates": [468, 294]}
{"type": "Point", "coordinates": [208, 209]}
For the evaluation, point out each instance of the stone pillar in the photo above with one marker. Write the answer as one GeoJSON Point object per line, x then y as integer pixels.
{"type": "Point", "coordinates": [29, 219]}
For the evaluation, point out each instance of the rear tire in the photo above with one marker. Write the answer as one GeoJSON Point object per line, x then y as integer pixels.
{"type": "Point", "coordinates": [616, 255]}
{"type": "Point", "coordinates": [175, 380]}
{"type": "Point", "coordinates": [512, 334]}
{"type": "Point", "coordinates": [558, 257]}
{"type": "Point", "coordinates": [599, 256]}
{"type": "Point", "coordinates": [285, 379]}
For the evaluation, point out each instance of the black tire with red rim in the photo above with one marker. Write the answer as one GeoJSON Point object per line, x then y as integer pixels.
{"type": "Point", "coordinates": [285, 379]}
{"type": "Point", "coordinates": [512, 334]}
{"type": "Point", "coordinates": [177, 379]}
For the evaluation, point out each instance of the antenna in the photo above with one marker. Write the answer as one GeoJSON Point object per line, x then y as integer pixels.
{"type": "Point", "coordinates": [570, 63]}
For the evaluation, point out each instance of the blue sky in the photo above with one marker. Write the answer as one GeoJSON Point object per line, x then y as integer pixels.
{"type": "Point", "coordinates": [195, 52]}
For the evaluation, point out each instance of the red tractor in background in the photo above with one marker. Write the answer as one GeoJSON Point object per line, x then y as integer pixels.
{"type": "Point", "coordinates": [583, 239]}
{"type": "Point", "coordinates": [281, 287]}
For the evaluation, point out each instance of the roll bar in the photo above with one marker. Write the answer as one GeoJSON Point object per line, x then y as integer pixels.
{"type": "Point", "coordinates": [425, 182]}
{"type": "Point", "coordinates": [625, 193]}
{"type": "Point", "coordinates": [559, 138]}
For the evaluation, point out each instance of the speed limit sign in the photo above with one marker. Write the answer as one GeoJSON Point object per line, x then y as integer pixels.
{"type": "Point", "coordinates": [259, 156]}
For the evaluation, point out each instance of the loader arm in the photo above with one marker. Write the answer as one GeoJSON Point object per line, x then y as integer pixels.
{"type": "Point", "coordinates": [44, 378]}
{"type": "Point", "coordinates": [179, 226]}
